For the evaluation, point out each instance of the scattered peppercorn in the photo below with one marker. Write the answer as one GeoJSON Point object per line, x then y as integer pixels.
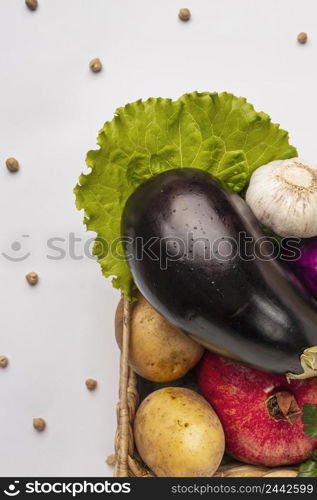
{"type": "Point", "coordinates": [32, 278]}
{"type": "Point", "coordinates": [3, 361]}
{"type": "Point", "coordinates": [95, 65]}
{"type": "Point", "coordinates": [12, 164]}
{"type": "Point", "coordinates": [184, 14]}
{"type": "Point", "coordinates": [31, 4]}
{"type": "Point", "coordinates": [302, 37]}
{"type": "Point", "coordinates": [39, 424]}
{"type": "Point", "coordinates": [111, 460]}
{"type": "Point", "coordinates": [91, 384]}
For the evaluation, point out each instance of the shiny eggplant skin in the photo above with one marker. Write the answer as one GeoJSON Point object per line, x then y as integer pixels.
{"type": "Point", "coordinates": [178, 229]}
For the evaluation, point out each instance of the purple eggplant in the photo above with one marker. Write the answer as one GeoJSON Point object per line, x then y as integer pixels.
{"type": "Point", "coordinates": [198, 255]}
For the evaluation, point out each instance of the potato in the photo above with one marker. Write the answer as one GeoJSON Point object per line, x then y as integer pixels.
{"type": "Point", "coordinates": [178, 434]}
{"type": "Point", "coordinates": [158, 351]}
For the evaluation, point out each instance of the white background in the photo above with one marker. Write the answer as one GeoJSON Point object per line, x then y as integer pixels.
{"type": "Point", "coordinates": [51, 107]}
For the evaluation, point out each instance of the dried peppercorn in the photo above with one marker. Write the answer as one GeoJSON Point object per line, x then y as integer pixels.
{"type": "Point", "coordinates": [3, 361]}
{"type": "Point", "coordinates": [184, 14]}
{"type": "Point", "coordinates": [12, 164]}
{"type": "Point", "coordinates": [32, 278]}
{"type": "Point", "coordinates": [302, 37]}
{"type": "Point", "coordinates": [95, 65]}
{"type": "Point", "coordinates": [91, 384]}
{"type": "Point", "coordinates": [39, 424]}
{"type": "Point", "coordinates": [31, 4]}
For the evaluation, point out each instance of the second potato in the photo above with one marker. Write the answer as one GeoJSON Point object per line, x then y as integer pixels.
{"type": "Point", "coordinates": [158, 351]}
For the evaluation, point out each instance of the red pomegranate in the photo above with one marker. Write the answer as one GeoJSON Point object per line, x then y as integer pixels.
{"type": "Point", "coordinates": [260, 412]}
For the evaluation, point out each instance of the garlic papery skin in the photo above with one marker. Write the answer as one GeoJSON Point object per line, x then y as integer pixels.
{"type": "Point", "coordinates": [283, 196]}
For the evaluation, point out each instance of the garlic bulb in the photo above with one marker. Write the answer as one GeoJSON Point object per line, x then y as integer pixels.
{"type": "Point", "coordinates": [283, 197]}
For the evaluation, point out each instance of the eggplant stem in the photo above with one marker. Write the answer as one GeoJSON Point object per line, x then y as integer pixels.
{"type": "Point", "coordinates": [308, 360]}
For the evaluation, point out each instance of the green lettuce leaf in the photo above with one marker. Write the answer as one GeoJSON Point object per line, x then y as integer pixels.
{"type": "Point", "coordinates": [309, 419]}
{"type": "Point", "coordinates": [308, 469]}
{"type": "Point", "coordinates": [219, 133]}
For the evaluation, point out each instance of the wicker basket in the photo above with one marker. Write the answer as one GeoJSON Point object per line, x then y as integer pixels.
{"type": "Point", "coordinates": [127, 461]}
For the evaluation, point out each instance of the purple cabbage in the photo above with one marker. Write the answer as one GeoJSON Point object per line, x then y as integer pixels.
{"type": "Point", "coordinates": [305, 268]}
